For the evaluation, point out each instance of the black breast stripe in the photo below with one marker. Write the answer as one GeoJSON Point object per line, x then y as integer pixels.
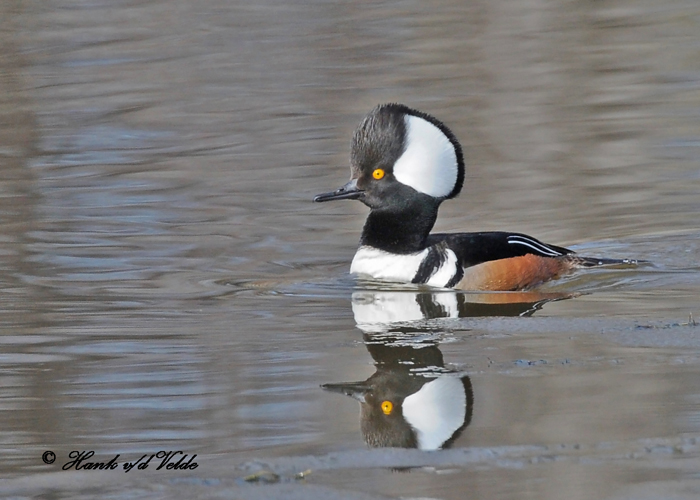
{"type": "Point", "coordinates": [432, 262]}
{"type": "Point", "coordinates": [459, 274]}
{"type": "Point", "coordinates": [436, 258]}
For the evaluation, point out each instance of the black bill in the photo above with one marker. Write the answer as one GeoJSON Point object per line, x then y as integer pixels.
{"type": "Point", "coordinates": [349, 191]}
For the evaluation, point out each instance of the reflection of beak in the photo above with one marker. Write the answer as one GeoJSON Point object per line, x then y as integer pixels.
{"type": "Point", "coordinates": [349, 191]}
{"type": "Point", "coordinates": [355, 390]}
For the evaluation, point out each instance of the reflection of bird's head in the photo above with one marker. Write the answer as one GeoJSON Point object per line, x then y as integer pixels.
{"type": "Point", "coordinates": [410, 411]}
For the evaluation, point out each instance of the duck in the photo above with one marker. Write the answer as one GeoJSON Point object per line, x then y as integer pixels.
{"type": "Point", "coordinates": [404, 163]}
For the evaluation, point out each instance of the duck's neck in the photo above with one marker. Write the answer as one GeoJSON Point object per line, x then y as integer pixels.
{"type": "Point", "coordinates": [403, 232]}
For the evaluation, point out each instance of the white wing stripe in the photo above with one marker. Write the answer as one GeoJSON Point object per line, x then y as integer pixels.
{"type": "Point", "coordinates": [535, 245]}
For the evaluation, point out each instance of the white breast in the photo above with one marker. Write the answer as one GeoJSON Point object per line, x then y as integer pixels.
{"type": "Point", "coordinates": [382, 265]}
{"type": "Point", "coordinates": [387, 266]}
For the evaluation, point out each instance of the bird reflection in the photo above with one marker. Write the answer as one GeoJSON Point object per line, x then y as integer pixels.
{"type": "Point", "coordinates": [413, 400]}
{"type": "Point", "coordinates": [393, 306]}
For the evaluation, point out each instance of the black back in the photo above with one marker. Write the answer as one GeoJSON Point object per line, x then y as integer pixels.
{"type": "Point", "coordinates": [476, 248]}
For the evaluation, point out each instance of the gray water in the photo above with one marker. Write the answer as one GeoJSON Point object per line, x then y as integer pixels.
{"type": "Point", "coordinates": [167, 284]}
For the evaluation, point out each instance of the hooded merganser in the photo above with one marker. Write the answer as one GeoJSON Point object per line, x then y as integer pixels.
{"type": "Point", "coordinates": [404, 164]}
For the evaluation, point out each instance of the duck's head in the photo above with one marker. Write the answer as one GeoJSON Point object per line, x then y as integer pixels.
{"type": "Point", "coordinates": [400, 155]}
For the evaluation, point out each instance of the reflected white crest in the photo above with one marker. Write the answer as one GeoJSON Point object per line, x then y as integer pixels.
{"type": "Point", "coordinates": [436, 411]}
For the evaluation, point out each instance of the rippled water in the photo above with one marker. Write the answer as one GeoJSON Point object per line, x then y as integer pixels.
{"type": "Point", "coordinates": [166, 282]}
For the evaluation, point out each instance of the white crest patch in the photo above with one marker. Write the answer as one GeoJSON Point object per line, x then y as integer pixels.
{"type": "Point", "coordinates": [429, 163]}
{"type": "Point", "coordinates": [387, 266]}
{"type": "Point", "coordinates": [436, 411]}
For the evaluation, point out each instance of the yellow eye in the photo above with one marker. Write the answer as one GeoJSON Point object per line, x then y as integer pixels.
{"type": "Point", "coordinates": [387, 406]}
{"type": "Point", "coordinates": [378, 174]}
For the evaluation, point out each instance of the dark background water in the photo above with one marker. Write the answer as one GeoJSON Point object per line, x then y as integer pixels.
{"type": "Point", "coordinates": [166, 283]}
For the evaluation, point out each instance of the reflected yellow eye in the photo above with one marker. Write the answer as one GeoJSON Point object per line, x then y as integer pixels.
{"type": "Point", "coordinates": [387, 406]}
{"type": "Point", "coordinates": [378, 174]}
